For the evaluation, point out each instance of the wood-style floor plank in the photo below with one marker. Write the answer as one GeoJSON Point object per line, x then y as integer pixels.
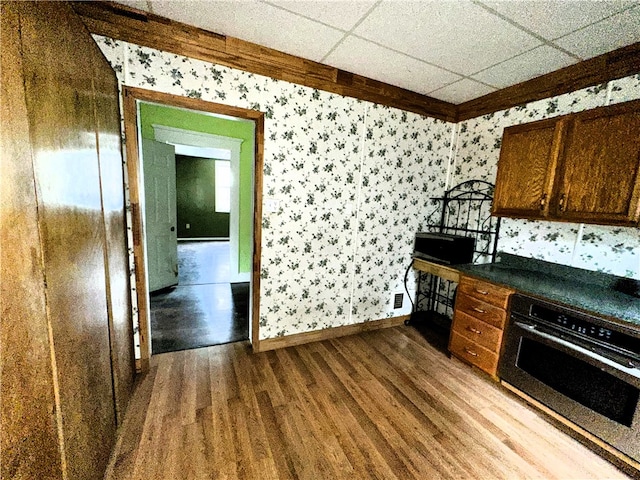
{"type": "Point", "coordinates": [385, 405]}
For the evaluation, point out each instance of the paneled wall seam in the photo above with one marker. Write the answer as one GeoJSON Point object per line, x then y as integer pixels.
{"type": "Point", "coordinates": [107, 276]}
{"type": "Point", "coordinates": [607, 100]}
{"type": "Point", "coordinates": [453, 151]}
{"type": "Point", "coordinates": [363, 144]}
{"type": "Point", "coordinates": [52, 352]}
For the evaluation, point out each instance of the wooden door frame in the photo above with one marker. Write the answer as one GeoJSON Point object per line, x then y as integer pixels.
{"type": "Point", "coordinates": [131, 95]}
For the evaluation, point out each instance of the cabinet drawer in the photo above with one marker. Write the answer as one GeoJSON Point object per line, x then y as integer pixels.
{"type": "Point", "coordinates": [481, 310]}
{"type": "Point", "coordinates": [473, 353]}
{"type": "Point", "coordinates": [485, 291]}
{"type": "Point", "coordinates": [477, 331]}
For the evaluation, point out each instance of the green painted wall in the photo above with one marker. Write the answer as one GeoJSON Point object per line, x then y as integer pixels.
{"type": "Point", "coordinates": [151, 114]}
{"type": "Point", "coordinates": [195, 188]}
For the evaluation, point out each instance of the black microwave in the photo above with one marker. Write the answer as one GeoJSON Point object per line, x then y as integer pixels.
{"type": "Point", "coordinates": [444, 248]}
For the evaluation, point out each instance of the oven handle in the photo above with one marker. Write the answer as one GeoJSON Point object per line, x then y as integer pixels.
{"type": "Point", "coordinates": [629, 368]}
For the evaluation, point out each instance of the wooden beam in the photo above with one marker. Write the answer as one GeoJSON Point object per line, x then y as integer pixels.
{"type": "Point", "coordinates": [142, 28]}
{"type": "Point", "coordinates": [616, 64]}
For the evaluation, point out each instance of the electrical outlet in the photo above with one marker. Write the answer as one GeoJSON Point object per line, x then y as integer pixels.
{"type": "Point", "coordinates": [398, 300]}
{"type": "Point", "coordinates": [271, 204]}
{"type": "Point", "coordinates": [188, 226]}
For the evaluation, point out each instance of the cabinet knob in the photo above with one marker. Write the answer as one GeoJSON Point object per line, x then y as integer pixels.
{"type": "Point", "coordinates": [479, 310]}
{"type": "Point", "coordinates": [561, 203]}
{"type": "Point", "coordinates": [543, 201]}
{"type": "Point", "coordinates": [470, 352]}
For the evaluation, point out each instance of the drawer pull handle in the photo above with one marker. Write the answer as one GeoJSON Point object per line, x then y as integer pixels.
{"type": "Point", "coordinates": [470, 352]}
{"type": "Point", "coordinates": [482, 292]}
{"type": "Point", "coordinates": [479, 310]}
{"type": "Point", "coordinates": [474, 330]}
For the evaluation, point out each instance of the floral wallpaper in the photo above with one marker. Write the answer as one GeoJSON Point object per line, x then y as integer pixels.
{"type": "Point", "coordinates": [405, 164]}
{"type": "Point", "coordinates": [613, 250]}
{"type": "Point", "coordinates": [352, 180]}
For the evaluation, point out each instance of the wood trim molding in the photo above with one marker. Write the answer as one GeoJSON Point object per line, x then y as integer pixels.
{"type": "Point", "coordinates": [603, 68]}
{"type": "Point", "coordinates": [131, 96]}
{"type": "Point", "coordinates": [327, 333]}
{"type": "Point", "coordinates": [136, 26]}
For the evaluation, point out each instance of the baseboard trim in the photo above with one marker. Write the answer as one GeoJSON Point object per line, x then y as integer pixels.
{"type": "Point", "coordinates": [327, 333]}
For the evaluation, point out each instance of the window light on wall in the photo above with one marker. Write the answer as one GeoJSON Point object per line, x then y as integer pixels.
{"type": "Point", "coordinates": [223, 186]}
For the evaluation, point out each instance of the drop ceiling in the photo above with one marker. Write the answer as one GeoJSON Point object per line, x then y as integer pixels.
{"type": "Point", "coordinates": [452, 50]}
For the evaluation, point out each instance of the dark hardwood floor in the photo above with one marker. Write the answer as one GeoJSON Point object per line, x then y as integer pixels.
{"type": "Point", "coordinates": [204, 309]}
{"type": "Point", "coordinates": [378, 405]}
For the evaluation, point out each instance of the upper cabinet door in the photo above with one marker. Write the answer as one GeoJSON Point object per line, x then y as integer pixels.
{"type": "Point", "coordinates": [598, 175]}
{"type": "Point", "coordinates": [528, 160]}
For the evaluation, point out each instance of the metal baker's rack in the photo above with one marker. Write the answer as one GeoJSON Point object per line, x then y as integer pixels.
{"type": "Point", "coordinates": [465, 210]}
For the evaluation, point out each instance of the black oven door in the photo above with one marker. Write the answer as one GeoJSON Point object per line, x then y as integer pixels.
{"type": "Point", "coordinates": [600, 394]}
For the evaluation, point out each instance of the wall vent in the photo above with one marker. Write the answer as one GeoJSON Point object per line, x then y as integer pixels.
{"type": "Point", "coordinates": [398, 300]}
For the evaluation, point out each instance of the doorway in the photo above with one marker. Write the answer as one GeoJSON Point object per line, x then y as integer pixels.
{"type": "Point", "coordinates": [133, 97]}
{"type": "Point", "coordinates": [204, 308]}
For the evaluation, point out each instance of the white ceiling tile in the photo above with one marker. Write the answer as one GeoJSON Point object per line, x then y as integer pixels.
{"type": "Point", "coordinates": [602, 37]}
{"type": "Point", "coordinates": [526, 66]}
{"type": "Point", "coordinates": [555, 18]}
{"type": "Point", "coordinates": [342, 14]}
{"type": "Point", "coordinates": [255, 22]}
{"type": "Point", "coordinates": [373, 61]}
{"type": "Point", "coordinates": [139, 4]}
{"type": "Point", "coordinates": [456, 35]}
{"type": "Point", "coordinates": [461, 91]}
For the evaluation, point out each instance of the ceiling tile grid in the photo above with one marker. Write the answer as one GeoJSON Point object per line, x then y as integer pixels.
{"type": "Point", "coordinates": [525, 66]}
{"type": "Point", "coordinates": [453, 50]}
{"type": "Point", "coordinates": [380, 63]}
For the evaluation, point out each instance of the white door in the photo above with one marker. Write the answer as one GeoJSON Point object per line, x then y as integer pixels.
{"type": "Point", "coordinates": [159, 165]}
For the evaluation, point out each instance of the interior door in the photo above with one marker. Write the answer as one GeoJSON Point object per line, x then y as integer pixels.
{"type": "Point", "coordinates": [159, 166]}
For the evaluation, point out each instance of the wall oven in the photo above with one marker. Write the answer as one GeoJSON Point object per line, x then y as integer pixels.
{"type": "Point", "coordinates": [585, 368]}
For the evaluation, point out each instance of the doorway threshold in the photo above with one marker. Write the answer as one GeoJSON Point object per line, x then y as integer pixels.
{"type": "Point", "coordinates": [204, 239]}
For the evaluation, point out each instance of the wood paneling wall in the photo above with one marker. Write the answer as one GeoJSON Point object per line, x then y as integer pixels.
{"type": "Point", "coordinates": [66, 322]}
{"type": "Point", "coordinates": [29, 440]}
{"type": "Point", "coordinates": [106, 96]}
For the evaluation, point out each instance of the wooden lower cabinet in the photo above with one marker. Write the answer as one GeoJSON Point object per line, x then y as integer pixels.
{"type": "Point", "coordinates": [479, 319]}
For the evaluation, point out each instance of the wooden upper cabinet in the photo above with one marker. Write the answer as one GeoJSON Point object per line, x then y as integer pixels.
{"type": "Point", "coordinates": [582, 167]}
{"type": "Point", "coordinates": [598, 176]}
{"type": "Point", "coordinates": [526, 169]}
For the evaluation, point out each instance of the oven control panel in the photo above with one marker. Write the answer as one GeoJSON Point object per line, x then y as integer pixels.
{"type": "Point", "coordinates": [570, 322]}
{"type": "Point", "coordinates": [564, 319]}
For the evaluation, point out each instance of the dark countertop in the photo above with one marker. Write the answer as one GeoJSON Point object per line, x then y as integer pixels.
{"type": "Point", "coordinates": [617, 298]}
